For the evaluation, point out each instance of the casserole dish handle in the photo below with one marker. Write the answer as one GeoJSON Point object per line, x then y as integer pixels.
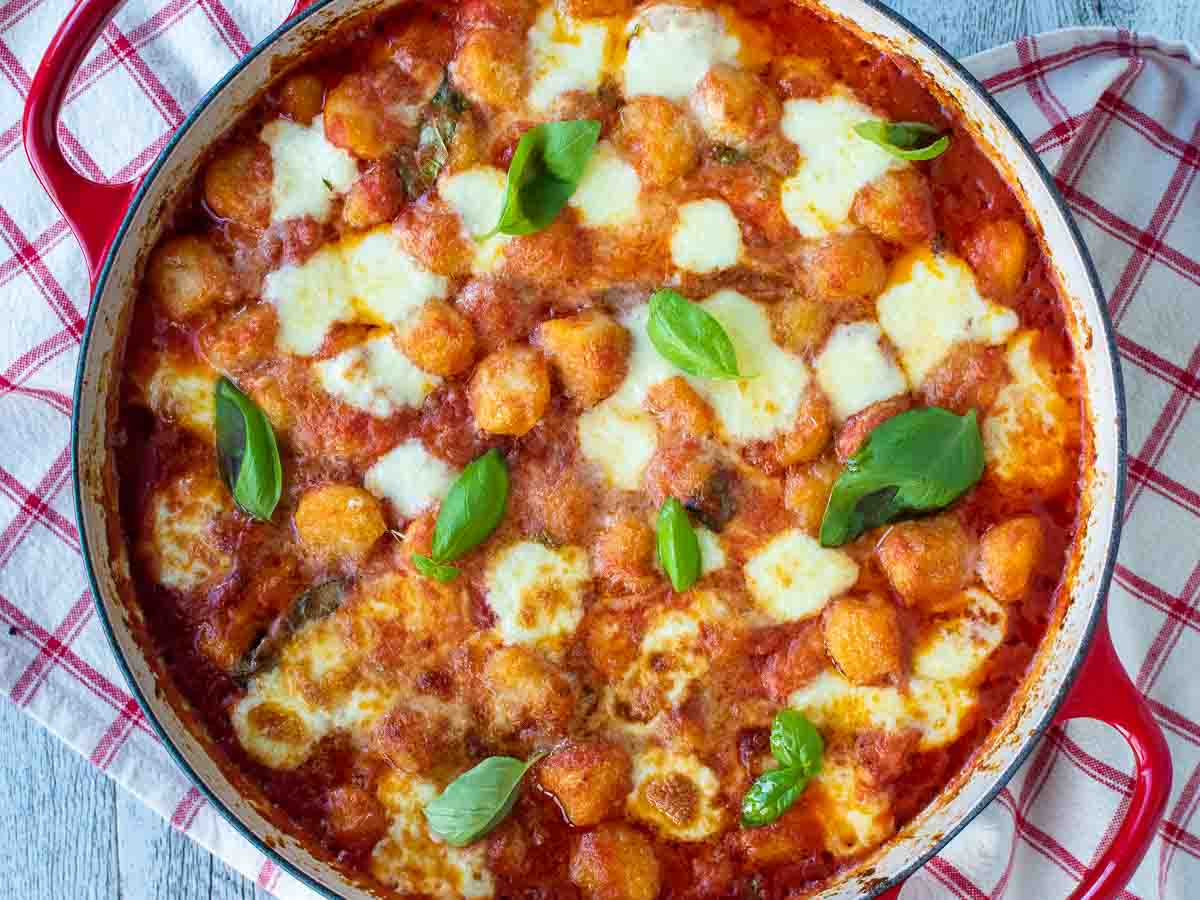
{"type": "Point", "coordinates": [1103, 691]}
{"type": "Point", "coordinates": [92, 209]}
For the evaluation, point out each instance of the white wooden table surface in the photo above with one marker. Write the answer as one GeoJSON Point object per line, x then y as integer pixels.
{"type": "Point", "coordinates": [86, 839]}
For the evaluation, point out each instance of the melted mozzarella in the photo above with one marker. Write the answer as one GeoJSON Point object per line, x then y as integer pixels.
{"type": "Point", "coordinates": [564, 55]}
{"type": "Point", "coordinates": [619, 441]}
{"type": "Point", "coordinates": [370, 279]}
{"type": "Point", "coordinates": [275, 728]}
{"type": "Point", "coordinates": [319, 684]}
{"type": "Point", "coordinates": [676, 794]}
{"type": "Point", "coordinates": [309, 299]}
{"type": "Point", "coordinates": [671, 649]}
{"type": "Point", "coordinates": [288, 709]}
{"type": "Point", "coordinates": [181, 389]}
{"type": "Point", "coordinates": [179, 545]}
{"type": "Point", "coordinates": [1029, 430]}
{"type": "Point", "coordinates": [712, 554]}
{"type": "Point", "coordinates": [707, 237]}
{"type": "Point", "coordinates": [854, 819]}
{"type": "Point", "coordinates": [762, 406]}
{"type": "Point", "coordinates": [793, 576]}
{"type": "Point", "coordinates": [672, 661]}
{"type": "Point", "coordinates": [395, 610]}
{"type": "Point", "coordinates": [957, 647]}
{"type": "Point", "coordinates": [854, 371]}
{"type": "Point", "coordinates": [537, 593]}
{"type": "Point", "coordinates": [931, 304]}
{"type": "Point", "coordinates": [411, 477]}
{"type": "Point", "coordinates": [411, 859]}
{"type": "Point", "coordinates": [477, 196]}
{"type": "Point", "coordinates": [609, 191]}
{"type": "Point", "coordinates": [620, 436]}
{"type": "Point", "coordinates": [375, 377]}
{"type": "Point", "coordinates": [308, 171]}
{"type": "Point", "coordinates": [836, 163]}
{"type": "Point", "coordinates": [386, 285]}
{"type": "Point", "coordinates": [645, 366]}
{"type": "Point", "coordinates": [940, 710]}
{"type": "Point", "coordinates": [672, 47]}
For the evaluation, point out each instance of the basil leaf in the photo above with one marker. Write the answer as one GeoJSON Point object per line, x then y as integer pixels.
{"type": "Point", "coordinates": [478, 800]}
{"type": "Point", "coordinates": [919, 461]}
{"type": "Point", "coordinates": [726, 155]}
{"type": "Point", "coordinates": [678, 546]}
{"type": "Point", "coordinates": [436, 571]}
{"type": "Point", "coordinates": [545, 170]}
{"type": "Point", "coordinates": [684, 334]}
{"type": "Point", "coordinates": [905, 140]}
{"type": "Point", "coordinates": [449, 98]}
{"type": "Point", "coordinates": [247, 455]}
{"type": "Point", "coordinates": [471, 511]}
{"type": "Point", "coordinates": [798, 748]}
{"type": "Point", "coordinates": [420, 166]}
{"type": "Point", "coordinates": [318, 602]}
{"type": "Point", "coordinates": [796, 743]}
{"type": "Point", "coordinates": [771, 795]}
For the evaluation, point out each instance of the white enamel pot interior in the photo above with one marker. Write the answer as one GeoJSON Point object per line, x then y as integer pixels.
{"type": "Point", "coordinates": [1058, 660]}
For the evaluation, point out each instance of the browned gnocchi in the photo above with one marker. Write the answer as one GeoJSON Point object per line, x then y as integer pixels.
{"type": "Point", "coordinates": [613, 407]}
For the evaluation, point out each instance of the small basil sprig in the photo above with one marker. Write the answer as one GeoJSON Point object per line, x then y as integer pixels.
{"type": "Point", "coordinates": [420, 172]}
{"type": "Point", "coordinates": [797, 747]}
{"type": "Point", "coordinates": [247, 455]}
{"type": "Point", "coordinates": [905, 140]}
{"type": "Point", "coordinates": [318, 602]}
{"type": "Point", "coordinates": [448, 98]}
{"type": "Point", "coordinates": [545, 170]}
{"type": "Point", "coordinates": [471, 511]}
{"type": "Point", "coordinates": [478, 800]}
{"type": "Point", "coordinates": [678, 546]}
{"type": "Point", "coordinates": [919, 461]}
{"type": "Point", "coordinates": [686, 335]}
{"type": "Point", "coordinates": [726, 155]}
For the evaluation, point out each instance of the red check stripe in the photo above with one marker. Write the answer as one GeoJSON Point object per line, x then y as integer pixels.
{"type": "Point", "coordinates": [187, 810]}
{"type": "Point", "coordinates": [268, 876]}
{"type": "Point", "coordinates": [1160, 222]}
{"type": "Point", "coordinates": [1149, 593]}
{"type": "Point", "coordinates": [56, 645]}
{"type": "Point", "coordinates": [33, 264]}
{"type": "Point", "coordinates": [1168, 637]}
{"type": "Point", "coordinates": [1111, 777]}
{"type": "Point", "coordinates": [1131, 235]}
{"type": "Point", "coordinates": [110, 56]}
{"type": "Point", "coordinates": [13, 71]}
{"type": "Point", "coordinates": [1187, 152]}
{"type": "Point", "coordinates": [1052, 108]}
{"type": "Point", "coordinates": [128, 718]}
{"type": "Point", "coordinates": [14, 11]}
{"type": "Point", "coordinates": [124, 50]}
{"type": "Point", "coordinates": [1165, 428]}
{"type": "Point", "coordinates": [1019, 75]}
{"type": "Point", "coordinates": [226, 26]}
{"type": "Point", "coordinates": [20, 625]}
{"type": "Point", "coordinates": [955, 881]}
{"type": "Point", "coordinates": [34, 507]}
{"type": "Point", "coordinates": [1175, 722]}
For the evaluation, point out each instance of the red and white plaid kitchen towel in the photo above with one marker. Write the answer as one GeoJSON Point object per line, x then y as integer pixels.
{"type": "Point", "coordinates": [1115, 116]}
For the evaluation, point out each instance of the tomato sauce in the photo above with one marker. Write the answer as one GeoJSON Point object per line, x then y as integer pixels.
{"type": "Point", "coordinates": [750, 672]}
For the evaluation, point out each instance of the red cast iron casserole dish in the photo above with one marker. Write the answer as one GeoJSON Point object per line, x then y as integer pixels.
{"type": "Point", "coordinates": [1076, 673]}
